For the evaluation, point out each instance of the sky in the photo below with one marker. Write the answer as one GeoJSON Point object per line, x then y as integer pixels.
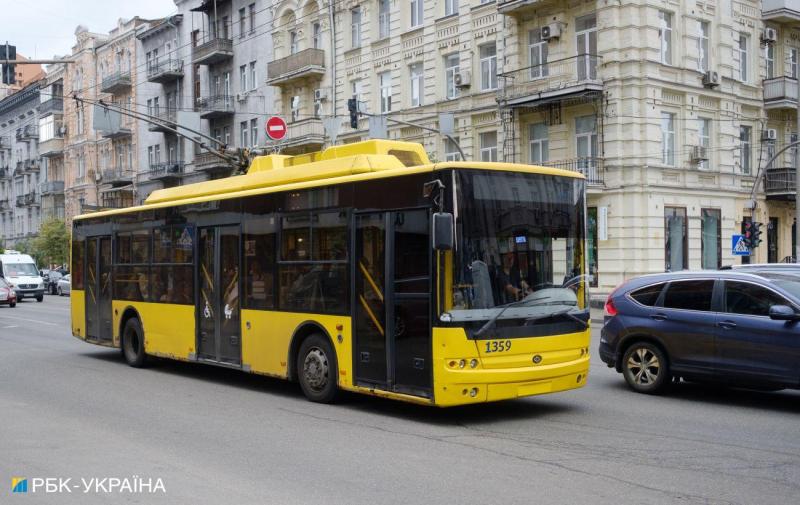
{"type": "Point", "coordinates": [43, 28]}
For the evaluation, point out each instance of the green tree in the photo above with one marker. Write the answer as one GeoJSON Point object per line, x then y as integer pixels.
{"type": "Point", "coordinates": [52, 244]}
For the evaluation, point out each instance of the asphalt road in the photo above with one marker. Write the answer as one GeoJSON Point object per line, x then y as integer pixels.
{"type": "Point", "coordinates": [73, 410]}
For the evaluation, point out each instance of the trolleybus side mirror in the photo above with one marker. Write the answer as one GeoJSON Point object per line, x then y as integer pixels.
{"type": "Point", "coordinates": [442, 231]}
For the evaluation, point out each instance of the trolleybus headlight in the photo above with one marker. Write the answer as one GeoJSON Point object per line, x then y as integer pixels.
{"type": "Point", "coordinates": [473, 392]}
{"type": "Point", "coordinates": [462, 363]}
{"type": "Point", "coordinates": [473, 363]}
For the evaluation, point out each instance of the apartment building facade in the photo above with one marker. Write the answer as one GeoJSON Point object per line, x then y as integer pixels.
{"type": "Point", "coordinates": [51, 143]}
{"type": "Point", "coordinates": [20, 203]}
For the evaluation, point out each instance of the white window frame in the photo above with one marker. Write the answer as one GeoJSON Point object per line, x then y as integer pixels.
{"type": "Point", "coordinates": [254, 131]}
{"type": "Point", "coordinates": [703, 47]}
{"type": "Point", "coordinates": [744, 56]}
{"type": "Point", "coordinates": [253, 75]}
{"type": "Point", "coordinates": [769, 60]}
{"type": "Point", "coordinates": [355, 27]}
{"type": "Point", "coordinates": [704, 137]}
{"type": "Point", "coordinates": [537, 54]}
{"type": "Point", "coordinates": [294, 108]}
{"type": "Point", "coordinates": [243, 78]}
{"type": "Point", "coordinates": [417, 13]}
{"type": "Point", "coordinates": [294, 43]}
{"type": "Point", "coordinates": [540, 144]}
{"type": "Point", "coordinates": [417, 84]}
{"type": "Point", "coordinates": [665, 37]}
{"type": "Point", "coordinates": [451, 152]}
{"type": "Point", "coordinates": [488, 66]}
{"type": "Point", "coordinates": [487, 152]}
{"type": "Point", "coordinates": [668, 138]}
{"type": "Point", "coordinates": [316, 35]}
{"type": "Point", "coordinates": [384, 18]}
{"type": "Point", "coordinates": [451, 91]}
{"type": "Point", "coordinates": [244, 134]}
{"type": "Point", "coordinates": [450, 7]}
{"type": "Point", "coordinates": [385, 86]}
{"type": "Point", "coordinates": [793, 63]}
{"type": "Point", "coordinates": [746, 148]}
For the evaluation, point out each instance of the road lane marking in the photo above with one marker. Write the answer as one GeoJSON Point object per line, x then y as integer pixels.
{"type": "Point", "coordinates": [29, 320]}
{"type": "Point", "coordinates": [9, 327]}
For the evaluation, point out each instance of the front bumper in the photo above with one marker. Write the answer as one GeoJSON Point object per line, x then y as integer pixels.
{"type": "Point", "coordinates": [28, 293]}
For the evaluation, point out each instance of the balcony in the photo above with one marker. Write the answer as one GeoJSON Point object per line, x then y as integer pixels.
{"type": "Point", "coordinates": [116, 83]}
{"type": "Point", "coordinates": [4, 206]}
{"type": "Point", "coordinates": [167, 119]}
{"type": "Point", "coordinates": [552, 81]}
{"type": "Point", "coordinates": [780, 93]}
{"type": "Point", "coordinates": [304, 136]}
{"type": "Point", "coordinates": [163, 71]}
{"type": "Point", "coordinates": [28, 133]}
{"type": "Point", "coordinates": [168, 170]}
{"type": "Point", "coordinates": [121, 132]}
{"type": "Point", "coordinates": [112, 198]}
{"type": "Point", "coordinates": [53, 105]}
{"type": "Point", "coordinates": [305, 64]}
{"type": "Point", "coordinates": [31, 166]}
{"type": "Point", "coordinates": [20, 200]}
{"type": "Point", "coordinates": [590, 167]}
{"type": "Point", "coordinates": [51, 187]}
{"type": "Point", "coordinates": [211, 107]}
{"type": "Point", "coordinates": [117, 176]}
{"type": "Point", "coordinates": [208, 162]}
{"type": "Point", "coordinates": [780, 11]}
{"type": "Point", "coordinates": [520, 7]}
{"type": "Point", "coordinates": [52, 147]}
{"type": "Point", "coordinates": [5, 144]}
{"type": "Point", "coordinates": [32, 199]}
{"type": "Point", "coordinates": [779, 184]}
{"type": "Point", "coordinates": [213, 51]}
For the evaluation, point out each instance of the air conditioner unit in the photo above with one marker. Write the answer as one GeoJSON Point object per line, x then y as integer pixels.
{"type": "Point", "coordinates": [320, 94]}
{"type": "Point", "coordinates": [551, 31]}
{"type": "Point", "coordinates": [699, 153]}
{"type": "Point", "coordinates": [769, 36]}
{"type": "Point", "coordinates": [462, 79]}
{"type": "Point", "coordinates": [711, 79]}
{"type": "Point", "coordinates": [62, 130]}
{"type": "Point", "coordinates": [769, 134]}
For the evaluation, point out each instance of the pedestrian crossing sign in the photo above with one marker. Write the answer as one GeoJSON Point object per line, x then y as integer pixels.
{"type": "Point", "coordinates": [738, 247]}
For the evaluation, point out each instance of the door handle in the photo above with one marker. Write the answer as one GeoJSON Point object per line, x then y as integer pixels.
{"type": "Point", "coordinates": [728, 325]}
{"type": "Point", "coordinates": [658, 317]}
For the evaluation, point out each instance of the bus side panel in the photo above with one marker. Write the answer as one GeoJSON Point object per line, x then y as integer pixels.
{"type": "Point", "coordinates": [169, 329]}
{"type": "Point", "coordinates": [78, 312]}
{"type": "Point", "coordinates": [265, 343]}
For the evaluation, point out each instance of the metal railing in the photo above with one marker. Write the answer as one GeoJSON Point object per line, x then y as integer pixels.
{"type": "Point", "coordinates": [116, 81]}
{"type": "Point", "coordinates": [208, 161]}
{"type": "Point", "coordinates": [779, 181]}
{"type": "Point", "coordinates": [780, 89]}
{"type": "Point", "coordinates": [215, 104]}
{"type": "Point", "coordinates": [115, 175]}
{"type": "Point", "coordinates": [164, 68]}
{"type": "Point", "coordinates": [554, 76]}
{"type": "Point", "coordinates": [31, 165]}
{"type": "Point", "coordinates": [166, 169]}
{"type": "Point", "coordinates": [214, 49]}
{"type": "Point", "coordinates": [590, 167]}
{"type": "Point", "coordinates": [49, 187]}
{"type": "Point", "coordinates": [51, 105]}
{"type": "Point", "coordinates": [310, 58]}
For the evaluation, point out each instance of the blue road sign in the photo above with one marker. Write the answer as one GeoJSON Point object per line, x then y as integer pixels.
{"type": "Point", "coordinates": [738, 247]}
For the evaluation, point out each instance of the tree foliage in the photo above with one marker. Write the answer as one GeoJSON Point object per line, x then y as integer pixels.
{"type": "Point", "coordinates": [51, 247]}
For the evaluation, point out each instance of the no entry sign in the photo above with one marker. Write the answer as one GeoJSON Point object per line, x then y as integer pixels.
{"type": "Point", "coordinates": [276, 128]}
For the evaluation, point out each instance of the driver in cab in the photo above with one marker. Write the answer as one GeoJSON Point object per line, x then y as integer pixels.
{"type": "Point", "coordinates": [509, 278]}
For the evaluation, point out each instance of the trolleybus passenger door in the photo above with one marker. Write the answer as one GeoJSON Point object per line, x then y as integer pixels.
{"type": "Point", "coordinates": [392, 301]}
{"type": "Point", "coordinates": [219, 329]}
{"type": "Point", "coordinates": [98, 288]}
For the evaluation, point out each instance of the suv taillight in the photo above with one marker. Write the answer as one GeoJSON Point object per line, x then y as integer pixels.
{"type": "Point", "coordinates": [609, 309]}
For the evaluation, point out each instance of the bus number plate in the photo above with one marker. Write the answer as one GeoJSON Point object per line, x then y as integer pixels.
{"type": "Point", "coordinates": [498, 346]}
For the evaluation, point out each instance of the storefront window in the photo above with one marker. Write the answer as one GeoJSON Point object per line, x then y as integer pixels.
{"type": "Point", "coordinates": [710, 239]}
{"type": "Point", "coordinates": [676, 247]}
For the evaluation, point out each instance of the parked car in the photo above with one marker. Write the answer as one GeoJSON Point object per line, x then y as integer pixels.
{"type": "Point", "coordinates": [724, 326]}
{"type": "Point", "coordinates": [7, 294]}
{"type": "Point", "coordinates": [64, 285]}
{"type": "Point", "coordinates": [51, 281]}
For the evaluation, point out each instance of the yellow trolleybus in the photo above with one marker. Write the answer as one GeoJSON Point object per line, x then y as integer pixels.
{"type": "Point", "coordinates": [363, 267]}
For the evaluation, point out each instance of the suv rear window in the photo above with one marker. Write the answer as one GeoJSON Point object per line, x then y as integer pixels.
{"type": "Point", "coordinates": [689, 295]}
{"type": "Point", "coordinates": [648, 295]}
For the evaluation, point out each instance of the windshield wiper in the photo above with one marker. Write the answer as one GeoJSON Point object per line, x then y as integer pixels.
{"type": "Point", "coordinates": [566, 312]}
{"type": "Point", "coordinates": [486, 327]}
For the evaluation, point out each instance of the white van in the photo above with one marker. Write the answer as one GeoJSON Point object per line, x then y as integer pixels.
{"type": "Point", "coordinates": [20, 271]}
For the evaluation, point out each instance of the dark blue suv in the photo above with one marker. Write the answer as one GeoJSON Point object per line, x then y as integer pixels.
{"type": "Point", "coordinates": [740, 329]}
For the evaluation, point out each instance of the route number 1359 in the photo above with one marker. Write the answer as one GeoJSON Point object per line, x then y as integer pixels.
{"type": "Point", "coordinates": [498, 346]}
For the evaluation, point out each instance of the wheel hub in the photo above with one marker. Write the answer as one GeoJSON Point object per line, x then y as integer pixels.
{"type": "Point", "coordinates": [644, 366]}
{"type": "Point", "coordinates": [315, 369]}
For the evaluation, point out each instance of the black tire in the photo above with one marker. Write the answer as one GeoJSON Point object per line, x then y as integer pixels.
{"type": "Point", "coordinates": [53, 289]}
{"type": "Point", "coordinates": [317, 369]}
{"type": "Point", "coordinates": [40, 298]}
{"type": "Point", "coordinates": [132, 343]}
{"type": "Point", "coordinates": [645, 368]}
{"type": "Point", "coordinates": [12, 304]}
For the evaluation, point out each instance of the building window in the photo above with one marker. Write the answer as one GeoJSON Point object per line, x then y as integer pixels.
{"type": "Point", "coordinates": [417, 84]}
{"type": "Point", "coordinates": [793, 63]}
{"type": "Point", "coordinates": [356, 89]}
{"type": "Point", "coordinates": [384, 19]}
{"type": "Point", "coordinates": [385, 84]}
{"type": "Point", "coordinates": [668, 138]}
{"type": "Point", "coordinates": [417, 12]}
{"type": "Point", "coordinates": [676, 244]}
{"type": "Point", "coordinates": [450, 7]}
{"type": "Point", "coordinates": [793, 152]}
{"type": "Point", "coordinates": [243, 78]}
{"type": "Point", "coordinates": [451, 64]}
{"type": "Point", "coordinates": [293, 42]}
{"type": "Point", "coordinates": [242, 22]}
{"type": "Point", "coordinates": [537, 54]}
{"type": "Point", "coordinates": [316, 35]}
{"type": "Point", "coordinates": [79, 119]}
{"type": "Point", "coordinates": [295, 108]}
{"type": "Point", "coordinates": [488, 146]}
{"type": "Point", "coordinates": [253, 76]}
{"type": "Point", "coordinates": [586, 141]}
{"type": "Point", "coordinates": [488, 63]}
{"type": "Point", "coordinates": [702, 46]}
{"type": "Point", "coordinates": [665, 36]}
{"type": "Point", "coordinates": [451, 152]}
{"type": "Point", "coordinates": [711, 239]}
{"type": "Point", "coordinates": [745, 147]}
{"type": "Point", "coordinates": [254, 131]}
{"type": "Point", "coordinates": [704, 137]}
{"type": "Point", "coordinates": [769, 57]}
{"type": "Point", "coordinates": [355, 27]}
{"type": "Point", "coordinates": [539, 144]}
{"type": "Point", "coordinates": [226, 135]}
{"type": "Point", "coordinates": [252, 11]}
{"type": "Point", "coordinates": [744, 44]}
{"type": "Point", "coordinates": [243, 134]}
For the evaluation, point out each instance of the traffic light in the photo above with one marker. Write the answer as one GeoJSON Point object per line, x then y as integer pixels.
{"type": "Point", "coordinates": [8, 52]}
{"type": "Point", "coordinates": [747, 233]}
{"type": "Point", "coordinates": [755, 239]}
{"type": "Point", "coordinates": [352, 107]}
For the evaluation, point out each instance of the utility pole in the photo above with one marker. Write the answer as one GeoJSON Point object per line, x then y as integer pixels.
{"type": "Point", "coordinates": [797, 186]}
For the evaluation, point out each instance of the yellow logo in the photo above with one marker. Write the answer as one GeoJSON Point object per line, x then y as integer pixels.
{"type": "Point", "coordinates": [19, 485]}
